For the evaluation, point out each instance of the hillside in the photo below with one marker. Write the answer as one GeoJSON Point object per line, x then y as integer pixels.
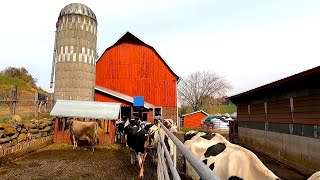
{"type": "Point", "coordinates": [22, 86]}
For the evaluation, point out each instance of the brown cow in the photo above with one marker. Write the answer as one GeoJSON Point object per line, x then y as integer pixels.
{"type": "Point", "coordinates": [84, 131]}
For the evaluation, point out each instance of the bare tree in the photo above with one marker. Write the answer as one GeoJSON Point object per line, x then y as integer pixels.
{"type": "Point", "coordinates": [200, 88]}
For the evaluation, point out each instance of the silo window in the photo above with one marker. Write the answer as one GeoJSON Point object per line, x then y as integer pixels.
{"type": "Point", "coordinates": [80, 58]}
{"type": "Point", "coordinates": [158, 111]}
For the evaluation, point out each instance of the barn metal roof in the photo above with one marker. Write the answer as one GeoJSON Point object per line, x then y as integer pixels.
{"type": "Point", "coordinates": [120, 96]}
{"type": "Point", "coordinates": [77, 8]}
{"type": "Point", "coordinates": [86, 109]}
{"type": "Point", "coordinates": [235, 98]}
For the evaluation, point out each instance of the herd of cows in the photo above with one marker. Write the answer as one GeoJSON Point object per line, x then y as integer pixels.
{"type": "Point", "coordinates": [226, 160]}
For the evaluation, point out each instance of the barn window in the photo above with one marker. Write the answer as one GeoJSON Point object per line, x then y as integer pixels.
{"type": "Point", "coordinates": [158, 111]}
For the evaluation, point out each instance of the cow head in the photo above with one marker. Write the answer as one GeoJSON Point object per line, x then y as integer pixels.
{"type": "Point", "coordinates": [168, 123]}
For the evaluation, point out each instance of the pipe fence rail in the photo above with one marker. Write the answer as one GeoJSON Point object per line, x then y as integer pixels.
{"type": "Point", "coordinates": [164, 158]}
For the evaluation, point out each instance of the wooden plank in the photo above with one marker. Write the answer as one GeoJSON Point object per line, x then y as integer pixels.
{"type": "Point", "coordinates": [313, 102]}
{"type": "Point", "coordinates": [257, 115]}
{"type": "Point", "coordinates": [311, 115]}
{"type": "Point", "coordinates": [280, 115]}
{"type": "Point", "coordinates": [280, 110]}
{"type": "Point", "coordinates": [306, 98]}
{"type": "Point", "coordinates": [279, 120]}
{"type": "Point", "coordinates": [258, 119]}
{"type": "Point", "coordinates": [309, 121]}
{"type": "Point", "coordinates": [306, 109]}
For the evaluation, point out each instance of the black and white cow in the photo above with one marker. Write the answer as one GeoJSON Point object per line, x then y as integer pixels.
{"type": "Point", "coordinates": [315, 176]}
{"type": "Point", "coordinates": [119, 130]}
{"type": "Point", "coordinates": [226, 160]}
{"type": "Point", "coordinates": [138, 142]}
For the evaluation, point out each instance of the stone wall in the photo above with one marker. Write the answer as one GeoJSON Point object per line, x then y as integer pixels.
{"type": "Point", "coordinates": [301, 153]}
{"type": "Point", "coordinates": [8, 154]}
{"type": "Point", "coordinates": [19, 138]}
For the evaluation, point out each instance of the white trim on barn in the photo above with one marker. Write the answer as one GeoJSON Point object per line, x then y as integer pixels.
{"type": "Point", "coordinates": [121, 96]}
{"type": "Point", "coordinates": [195, 113]}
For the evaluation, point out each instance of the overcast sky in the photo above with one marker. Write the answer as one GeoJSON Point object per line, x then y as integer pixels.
{"type": "Point", "coordinates": [249, 42]}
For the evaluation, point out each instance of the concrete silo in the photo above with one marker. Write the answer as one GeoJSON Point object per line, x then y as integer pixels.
{"type": "Point", "coordinates": [75, 53]}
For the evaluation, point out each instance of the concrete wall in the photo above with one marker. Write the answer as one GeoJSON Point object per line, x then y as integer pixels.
{"type": "Point", "coordinates": [8, 154]}
{"type": "Point", "coordinates": [299, 152]}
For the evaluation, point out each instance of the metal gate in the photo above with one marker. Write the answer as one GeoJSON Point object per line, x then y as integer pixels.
{"type": "Point", "coordinates": [165, 161]}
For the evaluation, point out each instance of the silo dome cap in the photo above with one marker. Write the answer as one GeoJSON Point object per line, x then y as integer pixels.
{"type": "Point", "coordinates": [77, 8]}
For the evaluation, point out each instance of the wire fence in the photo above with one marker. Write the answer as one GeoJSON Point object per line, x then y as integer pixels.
{"type": "Point", "coordinates": [25, 104]}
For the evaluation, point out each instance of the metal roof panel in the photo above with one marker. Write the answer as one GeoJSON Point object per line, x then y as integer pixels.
{"type": "Point", "coordinates": [86, 109]}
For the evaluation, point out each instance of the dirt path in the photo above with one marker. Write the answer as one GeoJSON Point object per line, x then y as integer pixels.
{"type": "Point", "coordinates": [279, 169]}
{"type": "Point", "coordinates": [62, 162]}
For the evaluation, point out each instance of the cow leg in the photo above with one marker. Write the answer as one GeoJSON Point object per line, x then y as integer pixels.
{"type": "Point", "coordinates": [92, 147]}
{"type": "Point", "coordinates": [74, 142]}
{"type": "Point", "coordinates": [125, 137]}
{"type": "Point", "coordinates": [132, 156]}
{"type": "Point", "coordinates": [141, 157]}
{"type": "Point", "coordinates": [154, 155]}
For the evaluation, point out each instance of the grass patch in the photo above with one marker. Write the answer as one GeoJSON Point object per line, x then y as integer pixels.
{"type": "Point", "coordinates": [186, 129]}
{"type": "Point", "coordinates": [228, 109]}
{"type": "Point", "coordinates": [5, 120]}
{"type": "Point", "coordinates": [7, 82]}
{"type": "Point", "coordinates": [26, 119]}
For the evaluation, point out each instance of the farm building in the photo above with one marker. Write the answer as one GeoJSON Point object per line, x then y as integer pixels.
{"type": "Point", "coordinates": [193, 120]}
{"type": "Point", "coordinates": [132, 68]}
{"type": "Point", "coordinates": [127, 71]}
{"type": "Point", "coordinates": [282, 120]}
{"type": "Point", "coordinates": [105, 113]}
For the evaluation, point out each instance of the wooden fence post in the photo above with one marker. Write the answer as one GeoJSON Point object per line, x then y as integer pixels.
{"type": "Point", "coordinates": [14, 100]}
{"type": "Point", "coordinates": [36, 109]}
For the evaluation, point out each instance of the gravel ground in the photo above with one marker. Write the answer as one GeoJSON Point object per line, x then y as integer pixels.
{"type": "Point", "coordinates": [60, 161]}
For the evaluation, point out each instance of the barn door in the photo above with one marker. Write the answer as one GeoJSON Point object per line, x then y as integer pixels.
{"type": "Point", "coordinates": [61, 131]}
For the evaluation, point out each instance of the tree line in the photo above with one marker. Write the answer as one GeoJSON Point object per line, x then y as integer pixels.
{"type": "Point", "coordinates": [20, 73]}
{"type": "Point", "coordinates": [202, 89]}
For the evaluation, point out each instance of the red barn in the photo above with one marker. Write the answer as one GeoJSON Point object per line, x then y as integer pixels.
{"type": "Point", "coordinates": [193, 120]}
{"type": "Point", "coordinates": [132, 68]}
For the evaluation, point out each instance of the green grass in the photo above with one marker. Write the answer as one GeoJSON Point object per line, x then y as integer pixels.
{"type": "Point", "coordinates": [5, 120]}
{"type": "Point", "coordinates": [7, 82]}
{"type": "Point", "coordinates": [186, 129]}
{"type": "Point", "coordinates": [25, 119]}
{"type": "Point", "coordinates": [228, 109]}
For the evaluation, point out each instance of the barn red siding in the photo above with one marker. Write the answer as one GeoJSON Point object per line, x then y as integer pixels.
{"type": "Point", "coordinates": [193, 120]}
{"type": "Point", "coordinates": [136, 70]}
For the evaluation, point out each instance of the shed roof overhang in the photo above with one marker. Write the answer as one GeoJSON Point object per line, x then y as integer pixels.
{"type": "Point", "coordinates": [280, 84]}
{"type": "Point", "coordinates": [121, 96]}
{"type": "Point", "coordinates": [86, 109]}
